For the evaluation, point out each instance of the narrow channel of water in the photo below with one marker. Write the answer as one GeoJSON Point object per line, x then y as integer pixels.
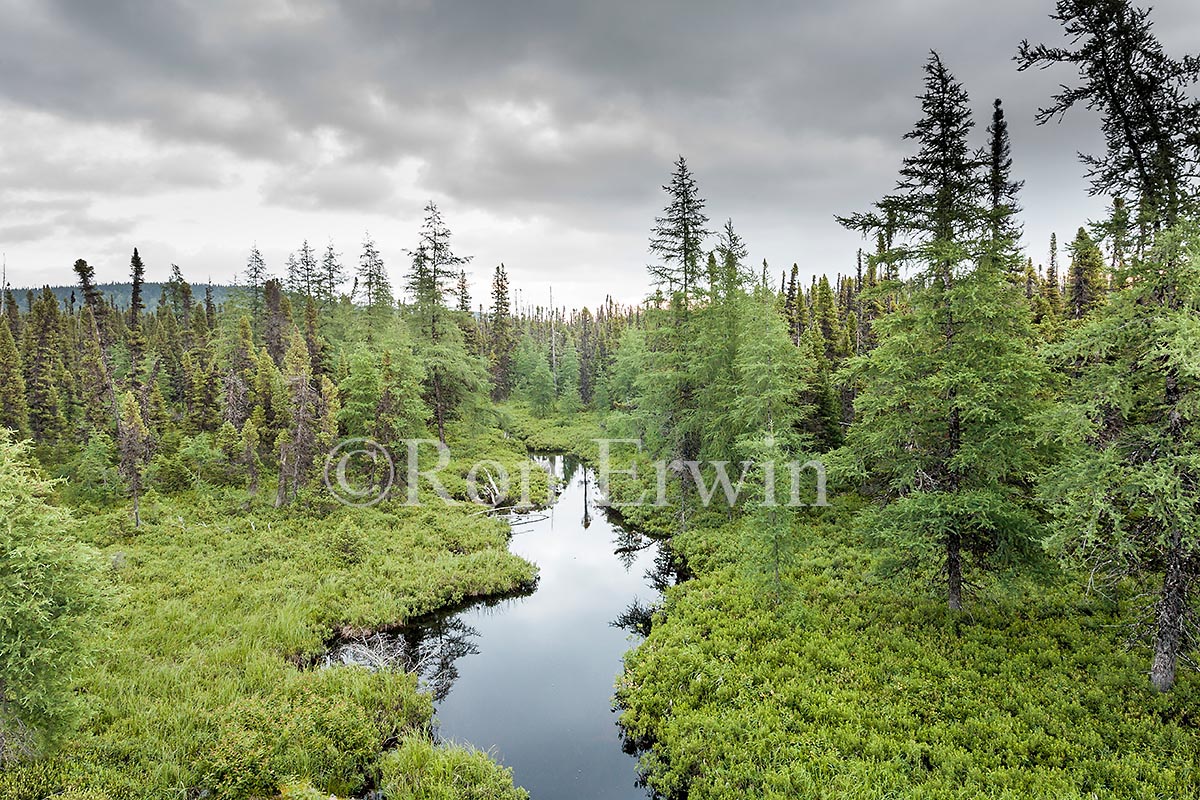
{"type": "Point", "coordinates": [531, 678]}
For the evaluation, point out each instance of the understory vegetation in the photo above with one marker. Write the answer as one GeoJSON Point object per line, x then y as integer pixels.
{"type": "Point", "coordinates": [999, 602]}
{"type": "Point", "coordinates": [197, 679]}
{"type": "Point", "coordinates": [853, 685]}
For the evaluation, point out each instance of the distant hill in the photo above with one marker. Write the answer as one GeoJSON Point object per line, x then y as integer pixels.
{"type": "Point", "coordinates": [120, 293]}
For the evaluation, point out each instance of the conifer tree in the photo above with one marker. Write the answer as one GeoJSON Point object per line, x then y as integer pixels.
{"type": "Point", "coordinates": [14, 413]}
{"type": "Point", "coordinates": [360, 391]}
{"type": "Point", "coordinates": [278, 320]}
{"type": "Point", "coordinates": [332, 276]}
{"type": "Point", "coordinates": [133, 442]}
{"type": "Point", "coordinates": [42, 356]}
{"type": "Point", "coordinates": [1003, 230]}
{"type": "Point", "coordinates": [136, 337]}
{"type": "Point", "coordinates": [502, 337]}
{"type": "Point", "coordinates": [50, 593]}
{"type": "Point", "coordinates": [943, 421]}
{"type": "Point", "coordinates": [569, 400]}
{"type": "Point", "coordinates": [678, 235]}
{"type": "Point", "coordinates": [1052, 289]}
{"type": "Point", "coordinates": [453, 376]}
{"type": "Point", "coordinates": [1127, 495]}
{"type": "Point", "coordinates": [239, 377]}
{"type": "Point", "coordinates": [256, 278]}
{"type": "Point", "coordinates": [1149, 117]}
{"type": "Point", "coordinates": [297, 444]}
{"type": "Point", "coordinates": [1088, 283]}
{"type": "Point", "coordinates": [95, 380]}
{"type": "Point", "coordinates": [400, 412]}
{"type": "Point", "coordinates": [372, 278]}
{"type": "Point", "coordinates": [541, 388]}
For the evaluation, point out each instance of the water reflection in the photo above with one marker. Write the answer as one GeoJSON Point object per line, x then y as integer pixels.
{"type": "Point", "coordinates": [531, 678]}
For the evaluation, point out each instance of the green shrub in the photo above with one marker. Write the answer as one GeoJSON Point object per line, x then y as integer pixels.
{"type": "Point", "coordinates": [419, 770]}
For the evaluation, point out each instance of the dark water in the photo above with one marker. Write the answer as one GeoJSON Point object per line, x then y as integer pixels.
{"type": "Point", "coordinates": [531, 678]}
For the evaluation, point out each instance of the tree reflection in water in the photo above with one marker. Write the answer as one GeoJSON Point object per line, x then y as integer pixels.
{"type": "Point", "coordinates": [429, 647]}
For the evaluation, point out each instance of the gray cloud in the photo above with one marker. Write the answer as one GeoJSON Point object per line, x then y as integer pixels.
{"type": "Point", "coordinates": [568, 112]}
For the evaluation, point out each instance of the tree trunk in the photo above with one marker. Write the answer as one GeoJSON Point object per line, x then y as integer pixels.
{"type": "Point", "coordinates": [439, 410]}
{"type": "Point", "coordinates": [954, 577]}
{"type": "Point", "coordinates": [281, 490]}
{"type": "Point", "coordinates": [1168, 612]}
{"type": "Point", "coordinates": [137, 513]}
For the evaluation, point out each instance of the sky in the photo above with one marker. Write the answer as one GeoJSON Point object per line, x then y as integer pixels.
{"type": "Point", "coordinates": [543, 129]}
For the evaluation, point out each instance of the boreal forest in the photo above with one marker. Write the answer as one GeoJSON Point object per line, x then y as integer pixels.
{"type": "Point", "coordinates": [361, 524]}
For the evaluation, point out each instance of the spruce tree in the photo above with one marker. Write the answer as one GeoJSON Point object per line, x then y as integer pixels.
{"type": "Point", "coordinates": [14, 413]}
{"type": "Point", "coordinates": [42, 356]}
{"type": "Point", "coordinates": [943, 421]}
{"type": "Point", "coordinates": [135, 338]}
{"type": "Point", "coordinates": [297, 444]}
{"type": "Point", "coordinates": [1003, 230]}
{"type": "Point", "coordinates": [1088, 282]}
{"type": "Point", "coordinates": [678, 235]}
{"type": "Point", "coordinates": [133, 443]}
{"type": "Point", "coordinates": [372, 278]}
{"type": "Point", "coordinates": [256, 278]}
{"type": "Point", "coordinates": [501, 336]}
{"type": "Point", "coordinates": [332, 276]}
{"type": "Point", "coordinates": [50, 592]}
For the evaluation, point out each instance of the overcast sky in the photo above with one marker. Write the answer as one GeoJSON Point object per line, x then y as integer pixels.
{"type": "Point", "coordinates": [543, 128]}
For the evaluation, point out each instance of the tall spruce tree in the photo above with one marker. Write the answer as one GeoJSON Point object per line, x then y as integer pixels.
{"type": "Point", "coordinates": [943, 421]}
{"type": "Point", "coordinates": [14, 413]}
{"type": "Point", "coordinates": [256, 277]}
{"type": "Point", "coordinates": [1003, 228]}
{"type": "Point", "coordinates": [1088, 283]}
{"type": "Point", "coordinates": [501, 336]}
{"type": "Point", "coordinates": [372, 279]}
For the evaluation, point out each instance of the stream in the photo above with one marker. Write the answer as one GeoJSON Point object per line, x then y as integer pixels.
{"type": "Point", "coordinates": [531, 678]}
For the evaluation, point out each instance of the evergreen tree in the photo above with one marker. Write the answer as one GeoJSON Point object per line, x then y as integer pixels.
{"type": "Point", "coordinates": [541, 389]}
{"type": "Point", "coordinates": [42, 355]}
{"type": "Point", "coordinates": [1148, 117]}
{"type": "Point", "coordinates": [1088, 283]}
{"type": "Point", "coordinates": [943, 419]}
{"type": "Point", "coordinates": [360, 392]}
{"type": "Point", "coordinates": [297, 444]}
{"type": "Point", "coordinates": [1127, 495]}
{"type": "Point", "coordinates": [256, 278]}
{"type": "Point", "coordinates": [133, 442]}
{"type": "Point", "coordinates": [332, 276]}
{"type": "Point", "coordinates": [569, 400]}
{"type": "Point", "coordinates": [502, 337]}
{"type": "Point", "coordinates": [95, 379]}
{"type": "Point", "coordinates": [1003, 229]}
{"type": "Point", "coordinates": [678, 235]}
{"type": "Point", "coordinates": [14, 413]}
{"type": "Point", "coordinates": [1052, 290]}
{"type": "Point", "coordinates": [400, 412]}
{"type": "Point", "coordinates": [278, 320]}
{"type": "Point", "coordinates": [453, 376]}
{"type": "Point", "coordinates": [135, 337]}
{"type": "Point", "coordinates": [239, 377]}
{"type": "Point", "coordinates": [372, 278]}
